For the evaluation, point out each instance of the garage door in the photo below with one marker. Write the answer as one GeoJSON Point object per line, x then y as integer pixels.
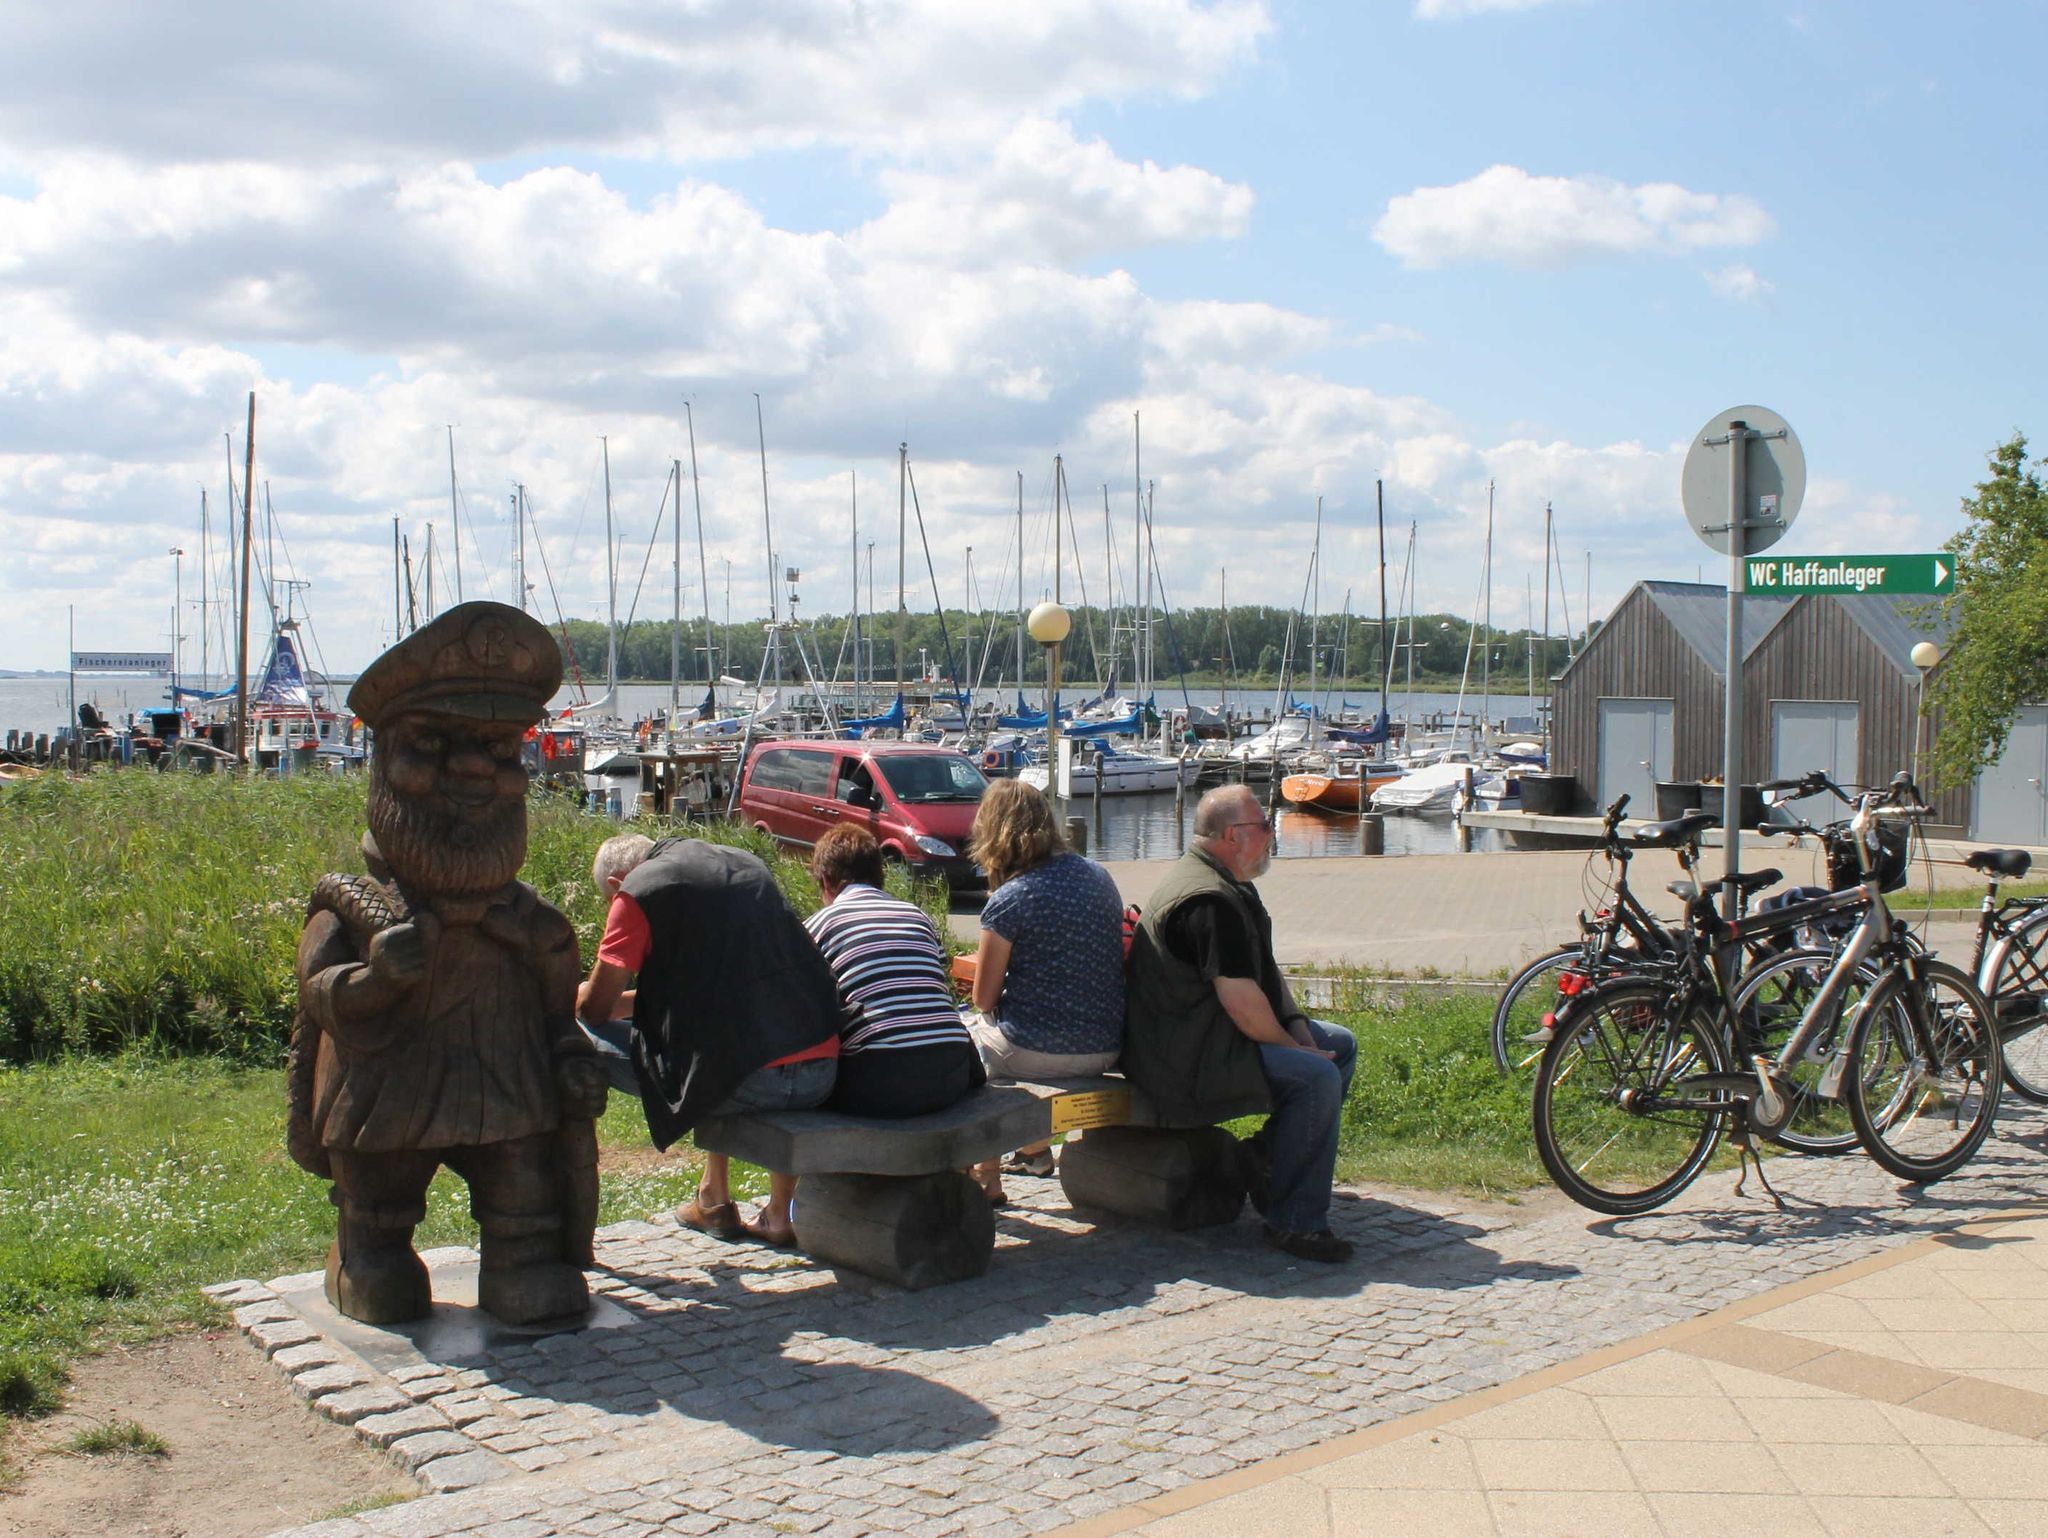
{"type": "Point", "coordinates": [2010, 805]}
{"type": "Point", "coordinates": [1635, 752]}
{"type": "Point", "coordinates": [1814, 734]}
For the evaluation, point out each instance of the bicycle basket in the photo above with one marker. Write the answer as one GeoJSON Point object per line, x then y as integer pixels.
{"type": "Point", "coordinates": [1890, 860]}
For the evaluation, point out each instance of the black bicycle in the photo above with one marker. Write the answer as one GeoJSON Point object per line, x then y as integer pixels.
{"type": "Point", "coordinates": [1645, 1074]}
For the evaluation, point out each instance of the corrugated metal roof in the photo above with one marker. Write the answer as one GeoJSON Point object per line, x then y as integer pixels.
{"type": "Point", "coordinates": [1698, 611]}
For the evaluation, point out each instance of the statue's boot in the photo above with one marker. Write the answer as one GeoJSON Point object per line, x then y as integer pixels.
{"type": "Point", "coordinates": [373, 1274]}
{"type": "Point", "coordinates": [523, 1278]}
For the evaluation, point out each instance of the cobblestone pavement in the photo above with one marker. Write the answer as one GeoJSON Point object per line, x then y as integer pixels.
{"type": "Point", "coordinates": [743, 1391]}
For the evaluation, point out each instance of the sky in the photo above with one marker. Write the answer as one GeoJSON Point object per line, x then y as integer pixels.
{"type": "Point", "coordinates": [1437, 244]}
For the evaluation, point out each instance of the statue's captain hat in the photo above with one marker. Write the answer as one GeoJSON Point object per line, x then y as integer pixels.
{"type": "Point", "coordinates": [486, 660]}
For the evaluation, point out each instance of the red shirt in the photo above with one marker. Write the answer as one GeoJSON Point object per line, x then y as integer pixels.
{"type": "Point", "coordinates": [626, 942]}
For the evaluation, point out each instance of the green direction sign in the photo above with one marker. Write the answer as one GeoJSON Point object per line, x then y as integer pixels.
{"type": "Point", "coordinates": [1793, 575]}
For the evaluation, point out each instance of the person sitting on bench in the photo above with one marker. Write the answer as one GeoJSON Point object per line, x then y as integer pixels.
{"type": "Point", "coordinates": [735, 1010]}
{"type": "Point", "coordinates": [903, 1050]}
{"type": "Point", "coordinates": [1049, 972]}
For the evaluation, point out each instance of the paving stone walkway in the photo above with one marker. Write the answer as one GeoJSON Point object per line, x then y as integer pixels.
{"type": "Point", "coordinates": [738, 1390]}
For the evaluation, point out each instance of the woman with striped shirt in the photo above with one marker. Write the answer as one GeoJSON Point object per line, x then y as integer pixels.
{"type": "Point", "coordinates": [903, 1050]}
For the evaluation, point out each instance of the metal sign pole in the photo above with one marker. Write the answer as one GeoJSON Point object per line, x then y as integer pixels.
{"type": "Point", "coordinates": [1731, 739]}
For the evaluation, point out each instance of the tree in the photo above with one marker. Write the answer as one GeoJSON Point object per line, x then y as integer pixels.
{"type": "Point", "coordinates": [1997, 617]}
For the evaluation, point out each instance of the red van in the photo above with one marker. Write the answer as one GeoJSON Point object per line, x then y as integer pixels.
{"type": "Point", "coordinates": [917, 798]}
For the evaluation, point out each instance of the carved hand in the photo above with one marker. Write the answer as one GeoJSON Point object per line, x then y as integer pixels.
{"type": "Point", "coordinates": [583, 1086]}
{"type": "Point", "coordinates": [398, 957]}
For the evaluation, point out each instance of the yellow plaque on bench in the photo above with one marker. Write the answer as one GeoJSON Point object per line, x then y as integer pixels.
{"type": "Point", "coordinates": [1090, 1108]}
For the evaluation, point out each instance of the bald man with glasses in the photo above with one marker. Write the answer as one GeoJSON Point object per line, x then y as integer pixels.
{"type": "Point", "coordinates": [1210, 1021]}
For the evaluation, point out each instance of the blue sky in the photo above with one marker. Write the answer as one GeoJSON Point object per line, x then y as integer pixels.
{"type": "Point", "coordinates": [1442, 242]}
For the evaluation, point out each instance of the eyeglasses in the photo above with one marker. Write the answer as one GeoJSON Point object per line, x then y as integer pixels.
{"type": "Point", "coordinates": [1263, 822]}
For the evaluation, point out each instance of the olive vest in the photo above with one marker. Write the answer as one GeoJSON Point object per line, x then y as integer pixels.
{"type": "Point", "coordinates": [1180, 1045]}
{"type": "Point", "coordinates": [731, 982]}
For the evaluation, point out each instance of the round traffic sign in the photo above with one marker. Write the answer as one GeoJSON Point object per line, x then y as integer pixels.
{"type": "Point", "coordinates": [1774, 477]}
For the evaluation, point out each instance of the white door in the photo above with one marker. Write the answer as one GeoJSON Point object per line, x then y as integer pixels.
{"type": "Point", "coordinates": [1814, 734]}
{"type": "Point", "coordinates": [2011, 806]}
{"type": "Point", "coordinates": [1635, 753]}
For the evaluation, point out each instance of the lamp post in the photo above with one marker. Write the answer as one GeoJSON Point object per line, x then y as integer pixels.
{"type": "Point", "coordinates": [1049, 624]}
{"type": "Point", "coordinates": [177, 608]}
{"type": "Point", "coordinates": [1926, 657]}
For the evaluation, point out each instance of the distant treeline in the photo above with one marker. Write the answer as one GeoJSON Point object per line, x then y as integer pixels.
{"type": "Point", "coordinates": [1250, 642]}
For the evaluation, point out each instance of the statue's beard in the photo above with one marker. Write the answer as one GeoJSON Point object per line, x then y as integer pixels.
{"type": "Point", "coordinates": [439, 851]}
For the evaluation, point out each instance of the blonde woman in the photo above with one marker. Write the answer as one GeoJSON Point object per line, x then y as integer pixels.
{"type": "Point", "coordinates": [1049, 972]}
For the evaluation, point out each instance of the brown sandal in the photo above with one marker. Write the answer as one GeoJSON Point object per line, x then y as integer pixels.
{"type": "Point", "coordinates": [720, 1222]}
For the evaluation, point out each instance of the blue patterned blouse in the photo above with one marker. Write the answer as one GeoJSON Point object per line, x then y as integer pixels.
{"type": "Point", "coordinates": [1064, 988]}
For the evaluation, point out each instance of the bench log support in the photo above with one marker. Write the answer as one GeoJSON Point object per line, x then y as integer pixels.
{"type": "Point", "coordinates": [913, 1230]}
{"type": "Point", "coordinates": [1177, 1177]}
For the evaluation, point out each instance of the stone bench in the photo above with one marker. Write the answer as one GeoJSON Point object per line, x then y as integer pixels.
{"type": "Point", "coordinates": [886, 1197]}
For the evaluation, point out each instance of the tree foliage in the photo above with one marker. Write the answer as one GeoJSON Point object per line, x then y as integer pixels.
{"type": "Point", "coordinates": [1249, 645]}
{"type": "Point", "coordinates": [1997, 618]}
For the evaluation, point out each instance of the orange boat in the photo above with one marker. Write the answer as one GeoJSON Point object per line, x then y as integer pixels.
{"type": "Point", "coordinates": [1345, 788]}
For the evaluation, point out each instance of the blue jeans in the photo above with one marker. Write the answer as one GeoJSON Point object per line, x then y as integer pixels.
{"type": "Point", "coordinates": [1308, 1100]}
{"type": "Point", "coordinates": [779, 1087]}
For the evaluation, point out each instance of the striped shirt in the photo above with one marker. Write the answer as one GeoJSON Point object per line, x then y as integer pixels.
{"type": "Point", "coordinates": [885, 957]}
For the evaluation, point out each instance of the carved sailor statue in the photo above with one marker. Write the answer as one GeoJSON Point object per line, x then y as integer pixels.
{"type": "Point", "coordinates": [436, 1021]}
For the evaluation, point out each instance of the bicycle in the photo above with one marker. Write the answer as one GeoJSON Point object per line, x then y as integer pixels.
{"type": "Point", "coordinates": [2010, 963]}
{"type": "Point", "coordinates": [1645, 1074]}
{"type": "Point", "coordinates": [1622, 936]}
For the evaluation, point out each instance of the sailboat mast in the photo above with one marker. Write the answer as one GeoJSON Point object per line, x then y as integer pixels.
{"type": "Point", "coordinates": [1379, 493]}
{"type": "Point", "coordinates": [675, 629]}
{"type": "Point", "coordinates": [1486, 608]}
{"type": "Point", "coordinates": [703, 571]}
{"type": "Point", "coordinates": [1546, 605]}
{"type": "Point", "coordinates": [853, 499]}
{"type": "Point", "coordinates": [248, 552]}
{"type": "Point", "coordinates": [454, 512]}
{"type": "Point", "coordinates": [205, 559]}
{"type": "Point", "coordinates": [519, 522]}
{"type": "Point", "coordinates": [1315, 614]}
{"type": "Point", "coordinates": [902, 538]}
{"type": "Point", "coordinates": [397, 589]}
{"type": "Point", "coordinates": [1139, 617]}
{"type": "Point", "coordinates": [1021, 654]}
{"type": "Point", "coordinates": [611, 577]}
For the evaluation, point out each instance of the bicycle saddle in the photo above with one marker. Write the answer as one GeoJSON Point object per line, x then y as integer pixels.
{"type": "Point", "coordinates": [1679, 830]}
{"type": "Point", "coordinates": [2009, 863]}
{"type": "Point", "coordinates": [1746, 881]}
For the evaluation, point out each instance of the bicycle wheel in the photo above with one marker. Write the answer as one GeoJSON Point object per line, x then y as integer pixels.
{"type": "Point", "coordinates": [1620, 1122]}
{"type": "Point", "coordinates": [1769, 1003]}
{"type": "Point", "coordinates": [1530, 994]}
{"type": "Point", "coordinates": [2018, 990]}
{"type": "Point", "coordinates": [1924, 1072]}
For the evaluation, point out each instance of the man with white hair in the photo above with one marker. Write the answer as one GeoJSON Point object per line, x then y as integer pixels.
{"type": "Point", "coordinates": [732, 1009]}
{"type": "Point", "coordinates": [1210, 1020]}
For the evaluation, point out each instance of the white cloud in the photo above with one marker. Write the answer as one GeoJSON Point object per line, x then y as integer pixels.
{"type": "Point", "coordinates": [1043, 196]}
{"type": "Point", "coordinates": [1448, 10]}
{"type": "Point", "coordinates": [1504, 214]}
{"type": "Point", "coordinates": [1739, 281]}
{"type": "Point", "coordinates": [476, 80]}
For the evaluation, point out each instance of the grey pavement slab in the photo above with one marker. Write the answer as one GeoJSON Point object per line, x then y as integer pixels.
{"type": "Point", "coordinates": [736, 1389]}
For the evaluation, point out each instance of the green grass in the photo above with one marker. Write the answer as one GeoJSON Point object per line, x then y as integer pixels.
{"type": "Point", "coordinates": [163, 911]}
{"type": "Point", "coordinates": [117, 1437]}
{"type": "Point", "coordinates": [128, 1183]}
{"type": "Point", "coordinates": [1915, 898]}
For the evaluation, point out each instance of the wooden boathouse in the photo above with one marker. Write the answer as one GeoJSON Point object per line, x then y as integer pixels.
{"type": "Point", "coordinates": [1828, 683]}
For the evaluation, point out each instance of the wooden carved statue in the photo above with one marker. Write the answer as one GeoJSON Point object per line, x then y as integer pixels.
{"type": "Point", "coordinates": [436, 1022]}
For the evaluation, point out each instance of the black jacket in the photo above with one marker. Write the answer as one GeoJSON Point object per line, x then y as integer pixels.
{"type": "Point", "coordinates": [731, 982]}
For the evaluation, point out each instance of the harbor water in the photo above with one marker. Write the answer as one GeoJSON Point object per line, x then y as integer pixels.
{"type": "Point", "coordinates": [1142, 827]}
